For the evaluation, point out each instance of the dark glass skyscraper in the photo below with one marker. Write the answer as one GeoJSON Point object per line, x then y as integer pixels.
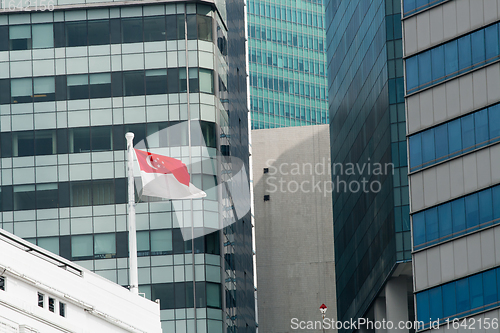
{"type": "Point", "coordinates": [367, 126]}
{"type": "Point", "coordinates": [287, 63]}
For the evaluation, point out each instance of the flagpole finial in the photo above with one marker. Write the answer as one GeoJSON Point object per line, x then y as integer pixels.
{"type": "Point", "coordinates": [129, 136]}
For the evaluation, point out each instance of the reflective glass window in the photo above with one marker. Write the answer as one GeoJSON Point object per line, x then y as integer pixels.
{"type": "Point", "coordinates": [105, 245]}
{"type": "Point", "coordinates": [98, 32]}
{"type": "Point", "coordinates": [156, 81]}
{"type": "Point", "coordinates": [101, 138]}
{"type": "Point", "coordinates": [206, 81]}
{"type": "Point", "coordinates": [24, 197]}
{"type": "Point", "coordinates": [133, 83]}
{"type": "Point", "coordinates": [44, 89]}
{"type": "Point", "coordinates": [449, 300]}
{"type": "Point", "coordinates": [478, 47]}
{"type": "Point", "coordinates": [472, 210]}
{"type": "Point", "coordinates": [21, 90]}
{"type": "Point", "coordinates": [76, 33]}
{"type": "Point", "coordinates": [100, 85]}
{"type": "Point", "coordinates": [103, 192]}
{"type": "Point", "coordinates": [132, 30]}
{"type": "Point", "coordinates": [20, 37]}
{"type": "Point", "coordinates": [214, 295]}
{"type": "Point", "coordinates": [46, 196]}
{"type": "Point", "coordinates": [171, 27]}
{"type": "Point", "coordinates": [78, 86]}
{"type": "Point", "coordinates": [161, 242]}
{"type": "Point", "coordinates": [154, 28]}
{"type": "Point", "coordinates": [164, 292]}
{"type": "Point", "coordinates": [49, 243]}
{"type": "Point", "coordinates": [204, 27]}
{"type": "Point", "coordinates": [82, 246]}
{"type": "Point", "coordinates": [43, 35]}
{"type": "Point", "coordinates": [23, 144]}
{"type": "Point", "coordinates": [79, 140]}
{"type": "Point", "coordinates": [45, 142]}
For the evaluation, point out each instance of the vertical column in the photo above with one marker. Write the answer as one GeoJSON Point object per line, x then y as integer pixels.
{"type": "Point", "coordinates": [396, 298]}
{"type": "Point", "coordinates": [379, 310]}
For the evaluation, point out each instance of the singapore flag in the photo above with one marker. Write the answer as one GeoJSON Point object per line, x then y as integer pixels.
{"type": "Point", "coordinates": [165, 177]}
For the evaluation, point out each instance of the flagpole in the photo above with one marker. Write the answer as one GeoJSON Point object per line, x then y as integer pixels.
{"type": "Point", "coordinates": [132, 240]}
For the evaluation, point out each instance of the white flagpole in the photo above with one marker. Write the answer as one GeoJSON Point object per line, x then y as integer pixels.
{"type": "Point", "coordinates": [132, 239]}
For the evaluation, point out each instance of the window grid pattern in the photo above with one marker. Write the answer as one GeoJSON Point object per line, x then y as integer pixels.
{"type": "Point", "coordinates": [453, 58]}
{"type": "Point", "coordinates": [398, 133]}
{"type": "Point", "coordinates": [460, 298]}
{"type": "Point", "coordinates": [411, 7]}
{"type": "Point", "coordinates": [287, 64]}
{"type": "Point", "coordinates": [455, 138]}
{"type": "Point", "coordinates": [456, 218]}
{"type": "Point", "coordinates": [44, 225]}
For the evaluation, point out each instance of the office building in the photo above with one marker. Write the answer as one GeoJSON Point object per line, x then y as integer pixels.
{"type": "Point", "coordinates": [293, 227]}
{"type": "Point", "coordinates": [286, 53]}
{"type": "Point", "coordinates": [74, 79]}
{"type": "Point", "coordinates": [42, 292]}
{"type": "Point", "coordinates": [368, 148]}
{"type": "Point", "coordinates": [452, 78]}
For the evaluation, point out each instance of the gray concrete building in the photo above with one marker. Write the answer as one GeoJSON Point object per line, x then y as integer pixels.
{"type": "Point", "coordinates": [293, 227]}
{"type": "Point", "coordinates": [452, 95]}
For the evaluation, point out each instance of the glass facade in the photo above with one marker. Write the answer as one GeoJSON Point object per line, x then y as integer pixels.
{"type": "Point", "coordinates": [453, 221]}
{"type": "Point", "coordinates": [367, 125]}
{"type": "Point", "coordinates": [453, 58]}
{"type": "Point", "coordinates": [287, 63]}
{"type": "Point", "coordinates": [456, 218]}
{"type": "Point", "coordinates": [454, 138]}
{"type": "Point", "coordinates": [73, 82]}
{"type": "Point", "coordinates": [461, 298]}
{"type": "Point", "coordinates": [411, 7]}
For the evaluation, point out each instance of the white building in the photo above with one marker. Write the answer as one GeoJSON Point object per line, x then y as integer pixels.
{"type": "Point", "coordinates": [42, 292]}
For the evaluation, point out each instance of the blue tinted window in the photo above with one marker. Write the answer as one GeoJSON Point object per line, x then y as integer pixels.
{"type": "Point", "coordinates": [428, 147]}
{"type": "Point", "coordinates": [437, 55]}
{"type": "Point", "coordinates": [408, 6]}
{"type": "Point", "coordinates": [476, 291]}
{"type": "Point", "coordinates": [445, 224]}
{"type": "Point", "coordinates": [458, 213]}
{"type": "Point", "coordinates": [431, 224]}
{"type": "Point", "coordinates": [423, 306]}
{"type": "Point", "coordinates": [490, 287]}
{"type": "Point", "coordinates": [462, 295]}
{"type": "Point", "coordinates": [492, 41]}
{"type": "Point", "coordinates": [424, 68]}
{"type": "Point", "coordinates": [485, 206]}
{"type": "Point", "coordinates": [455, 57]}
{"type": "Point", "coordinates": [441, 137]}
{"type": "Point", "coordinates": [411, 73]}
{"type": "Point", "coordinates": [481, 127]}
{"type": "Point", "coordinates": [415, 151]}
{"type": "Point", "coordinates": [436, 303]}
{"type": "Point", "coordinates": [496, 202]}
{"type": "Point", "coordinates": [455, 136]}
{"type": "Point", "coordinates": [472, 210]}
{"type": "Point", "coordinates": [451, 58]}
{"type": "Point", "coordinates": [449, 300]}
{"type": "Point", "coordinates": [494, 121]}
{"type": "Point", "coordinates": [478, 47]}
{"type": "Point", "coordinates": [468, 138]}
{"type": "Point", "coordinates": [418, 228]}
{"type": "Point", "coordinates": [464, 53]}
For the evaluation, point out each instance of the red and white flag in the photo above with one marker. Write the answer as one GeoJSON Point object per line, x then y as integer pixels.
{"type": "Point", "coordinates": [165, 177]}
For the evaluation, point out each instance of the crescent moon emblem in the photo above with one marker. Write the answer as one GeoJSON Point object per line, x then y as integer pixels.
{"type": "Point", "coordinates": [149, 160]}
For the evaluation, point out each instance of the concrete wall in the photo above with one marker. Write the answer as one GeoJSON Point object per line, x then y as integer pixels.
{"type": "Point", "coordinates": [294, 228]}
